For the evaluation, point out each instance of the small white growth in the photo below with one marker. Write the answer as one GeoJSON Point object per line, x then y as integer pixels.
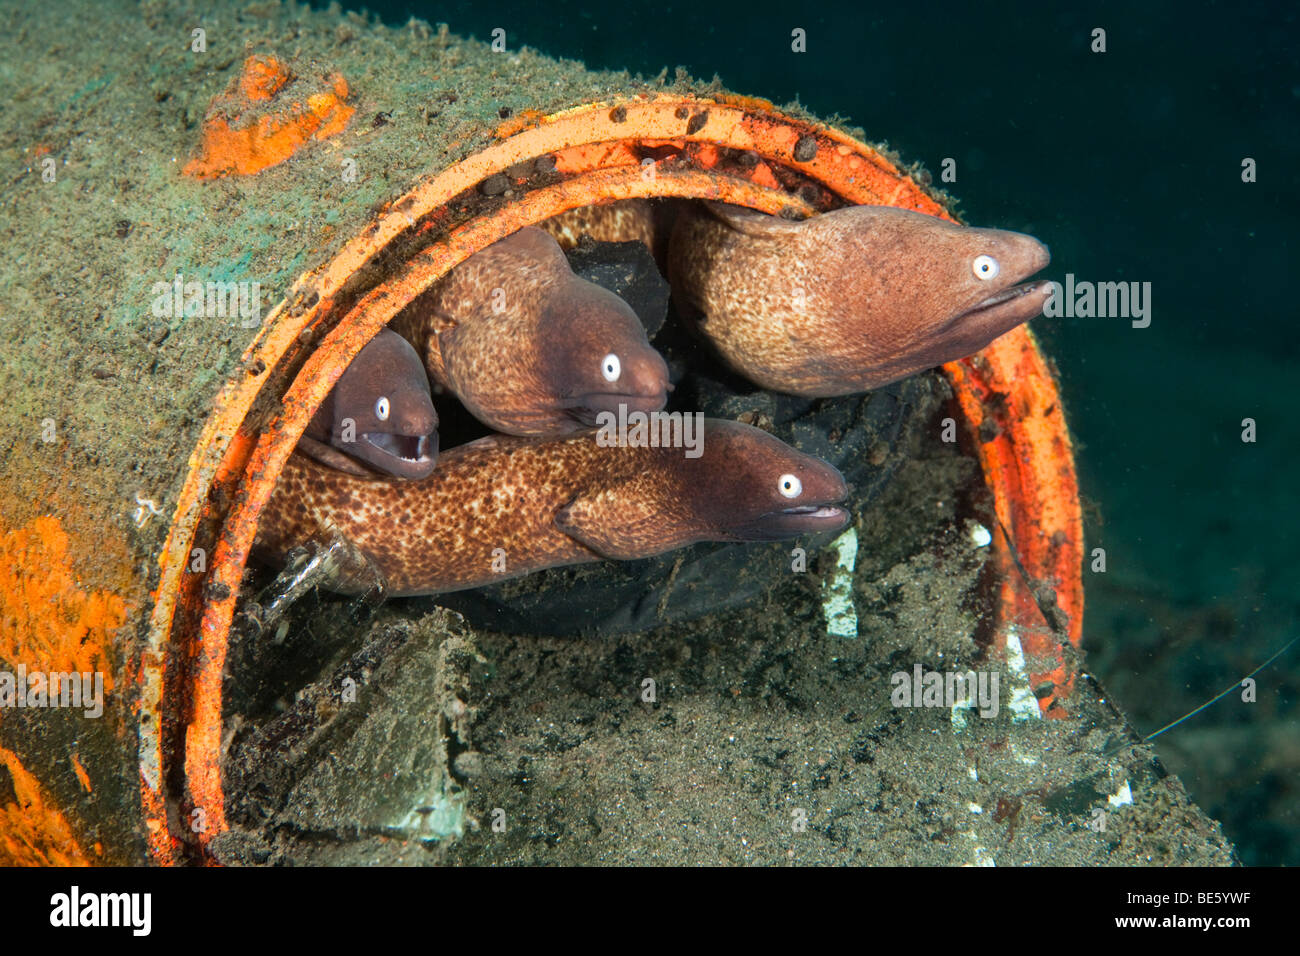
{"type": "Point", "coordinates": [146, 508]}
{"type": "Point", "coordinates": [1023, 704]}
{"type": "Point", "coordinates": [1121, 797]}
{"type": "Point", "coordinates": [979, 535]}
{"type": "Point", "coordinates": [982, 858]}
{"type": "Point", "coordinates": [974, 808]}
{"type": "Point", "coordinates": [1028, 760]}
{"type": "Point", "coordinates": [841, 616]}
{"type": "Point", "coordinates": [958, 717]}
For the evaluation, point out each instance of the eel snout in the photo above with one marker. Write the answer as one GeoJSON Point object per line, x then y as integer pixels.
{"type": "Point", "coordinates": [642, 386]}
{"type": "Point", "coordinates": [998, 299]}
{"type": "Point", "coordinates": [817, 513]}
{"type": "Point", "coordinates": [919, 291]}
{"type": "Point", "coordinates": [760, 489]}
{"type": "Point", "coordinates": [597, 351]}
{"type": "Point", "coordinates": [378, 414]}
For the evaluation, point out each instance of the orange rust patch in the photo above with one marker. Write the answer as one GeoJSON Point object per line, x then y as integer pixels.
{"type": "Point", "coordinates": [47, 620]}
{"type": "Point", "coordinates": [82, 777]}
{"type": "Point", "coordinates": [32, 830]}
{"type": "Point", "coordinates": [579, 159]}
{"type": "Point", "coordinates": [263, 76]}
{"type": "Point", "coordinates": [518, 123]}
{"type": "Point", "coordinates": [707, 155]}
{"type": "Point", "coordinates": [752, 103]}
{"type": "Point", "coordinates": [245, 132]}
{"type": "Point", "coordinates": [764, 176]}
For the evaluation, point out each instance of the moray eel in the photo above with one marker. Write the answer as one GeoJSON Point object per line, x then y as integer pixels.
{"type": "Point", "coordinates": [504, 506]}
{"type": "Point", "coordinates": [378, 413]}
{"type": "Point", "coordinates": [852, 299]}
{"type": "Point", "coordinates": [528, 347]}
{"type": "Point", "coordinates": [627, 220]}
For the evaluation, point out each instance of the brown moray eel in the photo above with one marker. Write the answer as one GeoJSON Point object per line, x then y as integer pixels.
{"type": "Point", "coordinates": [537, 503]}
{"type": "Point", "coordinates": [627, 220]}
{"type": "Point", "coordinates": [528, 347]}
{"type": "Point", "coordinates": [851, 299]}
{"type": "Point", "coordinates": [378, 413]}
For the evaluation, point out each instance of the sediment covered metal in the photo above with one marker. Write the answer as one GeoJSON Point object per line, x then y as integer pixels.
{"type": "Point", "coordinates": [129, 528]}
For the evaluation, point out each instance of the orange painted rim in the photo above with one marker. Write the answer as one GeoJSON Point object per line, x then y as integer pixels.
{"type": "Point", "coordinates": [730, 149]}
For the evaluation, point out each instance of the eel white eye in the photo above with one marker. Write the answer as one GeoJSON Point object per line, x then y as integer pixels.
{"type": "Point", "coordinates": [381, 408]}
{"type": "Point", "coordinates": [611, 367]}
{"type": "Point", "coordinates": [791, 486]}
{"type": "Point", "coordinates": [985, 267]}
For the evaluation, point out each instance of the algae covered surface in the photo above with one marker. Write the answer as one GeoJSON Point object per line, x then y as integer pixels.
{"type": "Point", "coordinates": [96, 212]}
{"type": "Point", "coordinates": [405, 734]}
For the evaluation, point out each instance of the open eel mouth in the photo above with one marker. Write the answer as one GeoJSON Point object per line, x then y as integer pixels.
{"type": "Point", "coordinates": [794, 522]}
{"type": "Point", "coordinates": [410, 456]}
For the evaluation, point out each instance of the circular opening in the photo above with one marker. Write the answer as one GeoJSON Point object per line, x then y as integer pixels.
{"type": "Point", "coordinates": [735, 151]}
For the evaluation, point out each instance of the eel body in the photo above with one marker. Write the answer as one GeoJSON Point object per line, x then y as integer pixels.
{"type": "Point", "coordinates": [628, 220]}
{"type": "Point", "coordinates": [504, 506]}
{"type": "Point", "coordinates": [528, 347]}
{"type": "Point", "coordinates": [852, 299]}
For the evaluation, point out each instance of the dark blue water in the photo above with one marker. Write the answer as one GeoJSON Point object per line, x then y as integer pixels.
{"type": "Point", "coordinates": [1128, 163]}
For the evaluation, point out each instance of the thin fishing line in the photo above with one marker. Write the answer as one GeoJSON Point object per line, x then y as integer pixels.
{"type": "Point", "coordinates": [1015, 557]}
{"type": "Point", "coordinates": [1227, 690]}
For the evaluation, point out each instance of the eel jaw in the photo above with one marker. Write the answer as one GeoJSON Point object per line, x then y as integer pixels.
{"type": "Point", "coordinates": [585, 408]}
{"type": "Point", "coordinates": [1006, 309]}
{"type": "Point", "coordinates": [406, 456]}
{"type": "Point", "coordinates": [793, 523]}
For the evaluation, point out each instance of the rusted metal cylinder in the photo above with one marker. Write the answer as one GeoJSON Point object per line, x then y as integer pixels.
{"type": "Point", "coordinates": [242, 228]}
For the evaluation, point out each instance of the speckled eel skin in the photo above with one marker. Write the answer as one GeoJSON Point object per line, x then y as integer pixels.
{"type": "Point", "coordinates": [530, 348]}
{"type": "Point", "coordinates": [852, 299]}
{"type": "Point", "coordinates": [504, 506]}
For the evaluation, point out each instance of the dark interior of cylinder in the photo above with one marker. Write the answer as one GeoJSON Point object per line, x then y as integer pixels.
{"type": "Point", "coordinates": [909, 489]}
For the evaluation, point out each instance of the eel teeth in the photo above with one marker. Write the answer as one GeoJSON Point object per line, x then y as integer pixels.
{"type": "Point", "coordinates": [406, 447]}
